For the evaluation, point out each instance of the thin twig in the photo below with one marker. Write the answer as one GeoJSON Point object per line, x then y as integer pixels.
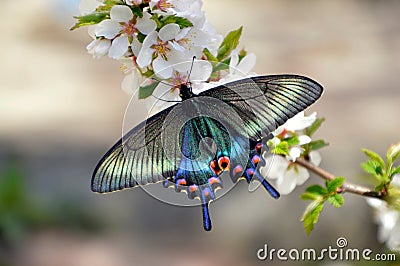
{"type": "Point", "coordinates": [346, 187]}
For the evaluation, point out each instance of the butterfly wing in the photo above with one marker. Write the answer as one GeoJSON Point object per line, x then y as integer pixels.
{"type": "Point", "coordinates": [266, 102]}
{"type": "Point", "coordinates": [136, 159]}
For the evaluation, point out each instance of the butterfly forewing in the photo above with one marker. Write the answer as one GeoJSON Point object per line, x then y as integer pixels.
{"type": "Point", "coordinates": [266, 102]}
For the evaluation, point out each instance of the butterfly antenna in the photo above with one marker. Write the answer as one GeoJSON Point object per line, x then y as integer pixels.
{"type": "Point", "coordinates": [165, 83]}
{"type": "Point", "coordinates": [190, 72]}
{"type": "Point", "coordinates": [162, 82]}
{"type": "Point", "coordinates": [167, 101]}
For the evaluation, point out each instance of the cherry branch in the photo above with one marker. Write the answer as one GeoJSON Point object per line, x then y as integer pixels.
{"type": "Point", "coordinates": [346, 187]}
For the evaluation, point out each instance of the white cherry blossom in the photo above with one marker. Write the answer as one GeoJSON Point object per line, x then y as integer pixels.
{"type": "Point", "coordinates": [122, 26]}
{"type": "Point", "coordinates": [388, 220]}
{"type": "Point", "coordinates": [286, 174]}
{"type": "Point", "coordinates": [158, 44]}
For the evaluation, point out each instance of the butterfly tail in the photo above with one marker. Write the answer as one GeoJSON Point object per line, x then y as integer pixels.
{"type": "Point", "coordinates": [271, 190]}
{"type": "Point", "coordinates": [206, 217]}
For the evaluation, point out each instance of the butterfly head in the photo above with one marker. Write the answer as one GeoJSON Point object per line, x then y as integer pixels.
{"type": "Point", "coordinates": [185, 91]}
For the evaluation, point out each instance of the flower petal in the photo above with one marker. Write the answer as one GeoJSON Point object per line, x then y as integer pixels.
{"type": "Point", "coordinates": [145, 24]}
{"type": "Point", "coordinates": [301, 175]}
{"type": "Point", "coordinates": [234, 62]}
{"type": "Point", "coordinates": [121, 13]}
{"type": "Point", "coordinates": [300, 122]}
{"type": "Point", "coordinates": [88, 6]}
{"type": "Point", "coordinates": [275, 167]}
{"type": "Point", "coordinates": [119, 47]}
{"type": "Point", "coordinates": [99, 47]}
{"type": "Point", "coordinates": [108, 28]}
{"type": "Point", "coordinates": [130, 84]}
{"type": "Point", "coordinates": [304, 139]}
{"type": "Point", "coordinates": [286, 184]}
{"type": "Point", "coordinates": [144, 57]}
{"type": "Point", "coordinates": [136, 46]}
{"type": "Point", "coordinates": [247, 63]}
{"type": "Point", "coordinates": [150, 40]}
{"type": "Point", "coordinates": [315, 158]}
{"type": "Point", "coordinates": [294, 153]}
{"type": "Point", "coordinates": [162, 68]}
{"type": "Point", "coordinates": [168, 32]}
{"type": "Point", "coordinates": [201, 70]}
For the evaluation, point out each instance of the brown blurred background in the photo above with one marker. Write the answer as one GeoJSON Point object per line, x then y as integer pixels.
{"type": "Point", "coordinates": [60, 110]}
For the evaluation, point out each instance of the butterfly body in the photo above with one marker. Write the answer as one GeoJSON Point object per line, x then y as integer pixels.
{"type": "Point", "coordinates": [190, 144]}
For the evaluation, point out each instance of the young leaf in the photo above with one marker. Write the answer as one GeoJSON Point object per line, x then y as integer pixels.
{"type": "Point", "coordinates": [90, 19]}
{"type": "Point", "coordinates": [311, 215]}
{"type": "Point", "coordinates": [374, 156]}
{"type": "Point", "coordinates": [182, 22]}
{"type": "Point", "coordinates": [147, 90]}
{"type": "Point", "coordinates": [210, 57]}
{"type": "Point", "coordinates": [314, 127]}
{"type": "Point", "coordinates": [282, 148]}
{"type": "Point", "coordinates": [334, 184]}
{"type": "Point", "coordinates": [230, 42]}
{"type": "Point", "coordinates": [317, 190]}
{"type": "Point", "coordinates": [393, 153]}
{"type": "Point", "coordinates": [372, 167]}
{"type": "Point", "coordinates": [108, 4]}
{"type": "Point", "coordinates": [395, 170]}
{"type": "Point", "coordinates": [336, 200]}
{"type": "Point", "coordinates": [292, 141]}
{"type": "Point", "coordinates": [310, 196]}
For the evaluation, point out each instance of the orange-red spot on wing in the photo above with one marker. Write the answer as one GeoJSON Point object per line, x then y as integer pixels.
{"type": "Point", "coordinates": [224, 163]}
{"type": "Point", "coordinates": [255, 160]}
{"type": "Point", "coordinates": [215, 167]}
{"type": "Point", "coordinates": [238, 170]}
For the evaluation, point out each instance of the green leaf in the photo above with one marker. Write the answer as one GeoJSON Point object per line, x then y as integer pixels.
{"type": "Point", "coordinates": [336, 200]}
{"type": "Point", "coordinates": [317, 190]}
{"type": "Point", "coordinates": [113, 2]}
{"type": "Point", "coordinates": [310, 196]}
{"type": "Point", "coordinates": [292, 141]}
{"type": "Point", "coordinates": [372, 167]}
{"type": "Point", "coordinates": [230, 42]}
{"type": "Point", "coordinates": [374, 156]}
{"type": "Point", "coordinates": [146, 91]}
{"type": "Point", "coordinates": [137, 11]}
{"type": "Point", "coordinates": [334, 184]}
{"type": "Point", "coordinates": [210, 57]}
{"type": "Point", "coordinates": [395, 170]}
{"type": "Point", "coordinates": [182, 22]}
{"type": "Point", "coordinates": [221, 66]}
{"type": "Point", "coordinates": [141, 37]}
{"type": "Point", "coordinates": [314, 127]}
{"type": "Point", "coordinates": [282, 148]}
{"type": "Point", "coordinates": [108, 4]}
{"type": "Point", "coordinates": [90, 19]}
{"type": "Point", "coordinates": [311, 215]}
{"type": "Point", "coordinates": [157, 18]}
{"type": "Point", "coordinates": [393, 153]}
{"type": "Point", "coordinates": [316, 144]}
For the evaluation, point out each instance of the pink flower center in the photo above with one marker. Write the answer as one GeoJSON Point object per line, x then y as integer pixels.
{"type": "Point", "coordinates": [177, 80]}
{"type": "Point", "coordinates": [163, 5]}
{"type": "Point", "coordinates": [129, 28]}
{"type": "Point", "coordinates": [161, 49]}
